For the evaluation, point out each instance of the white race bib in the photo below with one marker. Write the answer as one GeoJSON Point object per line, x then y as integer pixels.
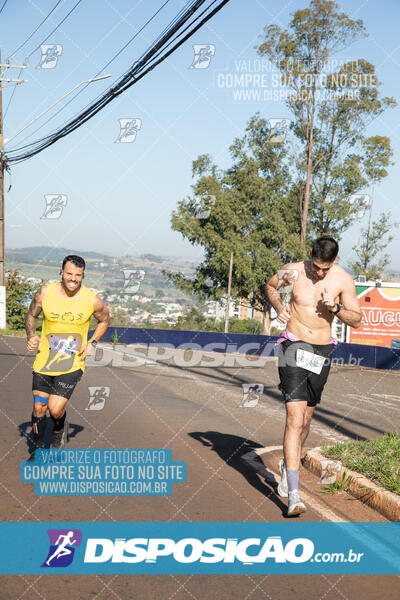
{"type": "Point", "coordinates": [308, 360]}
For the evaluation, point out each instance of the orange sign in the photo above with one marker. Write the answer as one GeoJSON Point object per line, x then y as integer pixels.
{"type": "Point", "coordinates": [381, 317]}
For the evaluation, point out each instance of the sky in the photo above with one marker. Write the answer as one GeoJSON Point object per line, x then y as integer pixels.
{"type": "Point", "coordinates": [118, 197]}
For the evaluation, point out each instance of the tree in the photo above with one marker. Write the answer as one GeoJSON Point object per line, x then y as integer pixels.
{"type": "Point", "coordinates": [18, 296]}
{"type": "Point", "coordinates": [120, 318]}
{"type": "Point", "coordinates": [331, 109]}
{"type": "Point", "coordinates": [245, 210]}
{"type": "Point", "coordinates": [276, 197]}
{"type": "Point", "coordinates": [372, 241]}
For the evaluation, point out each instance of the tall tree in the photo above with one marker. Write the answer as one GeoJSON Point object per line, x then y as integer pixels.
{"type": "Point", "coordinates": [373, 240]}
{"type": "Point", "coordinates": [331, 110]}
{"type": "Point", "coordinates": [275, 198]}
{"type": "Point", "coordinates": [250, 215]}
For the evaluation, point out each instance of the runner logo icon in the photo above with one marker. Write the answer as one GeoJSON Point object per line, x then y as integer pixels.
{"type": "Point", "coordinates": [50, 56]}
{"type": "Point", "coordinates": [202, 56]}
{"type": "Point", "coordinates": [128, 130]}
{"type": "Point", "coordinates": [55, 204]}
{"type": "Point", "coordinates": [62, 547]}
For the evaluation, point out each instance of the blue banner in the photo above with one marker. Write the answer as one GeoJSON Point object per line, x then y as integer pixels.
{"type": "Point", "coordinates": [200, 548]}
{"type": "Point", "coordinates": [361, 355]}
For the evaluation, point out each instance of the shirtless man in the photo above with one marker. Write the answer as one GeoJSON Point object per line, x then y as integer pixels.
{"type": "Point", "coordinates": [320, 291]}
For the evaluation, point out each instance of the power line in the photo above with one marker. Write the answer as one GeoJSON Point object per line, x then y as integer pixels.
{"type": "Point", "coordinates": [55, 29]}
{"type": "Point", "coordinates": [12, 95]}
{"type": "Point", "coordinates": [1, 9]}
{"type": "Point", "coordinates": [37, 28]}
{"type": "Point", "coordinates": [101, 71]}
{"type": "Point", "coordinates": [27, 40]}
{"type": "Point", "coordinates": [148, 61]}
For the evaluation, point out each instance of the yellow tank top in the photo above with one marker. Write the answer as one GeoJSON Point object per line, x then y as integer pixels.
{"type": "Point", "coordinates": [64, 331]}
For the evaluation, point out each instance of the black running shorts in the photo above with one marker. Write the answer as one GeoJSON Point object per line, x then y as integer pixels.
{"type": "Point", "coordinates": [297, 383]}
{"type": "Point", "coordinates": [59, 385]}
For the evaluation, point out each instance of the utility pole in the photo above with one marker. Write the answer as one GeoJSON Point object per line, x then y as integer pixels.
{"type": "Point", "coordinates": [7, 81]}
{"type": "Point", "coordinates": [228, 298]}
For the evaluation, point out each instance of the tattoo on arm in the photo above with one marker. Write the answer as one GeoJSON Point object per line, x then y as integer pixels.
{"type": "Point", "coordinates": [102, 314]}
{"type": "Point", "coordinates": [34, 311]}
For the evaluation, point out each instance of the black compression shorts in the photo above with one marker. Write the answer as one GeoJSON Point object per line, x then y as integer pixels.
{"type": "Point", "coordinates": [59, 385]}
{"type": "Point", "coordinates": [297, 383]}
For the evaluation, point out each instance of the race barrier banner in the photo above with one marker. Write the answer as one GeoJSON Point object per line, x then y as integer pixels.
{"type": "Point", "coordinates": [200, 548]}
{"type": "Point", "coordinates": [374, 357]}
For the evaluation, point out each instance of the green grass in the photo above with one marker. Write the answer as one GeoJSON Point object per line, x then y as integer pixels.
{"type": "Point", "coordinates": [343, 486]}
{"type": "Point", "coordinates": [377, 459]}
{"type": "Point", "coordinates": [14, 332]}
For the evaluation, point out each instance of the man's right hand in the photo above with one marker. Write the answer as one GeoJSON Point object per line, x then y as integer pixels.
{"type": "Point", "coordinates": [32, 343]}
{"type": "Point", "coordinates": [284, 315]}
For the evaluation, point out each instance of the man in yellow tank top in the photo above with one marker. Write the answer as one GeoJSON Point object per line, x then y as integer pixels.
{"type": "Point", "coordinates": [63, 346]}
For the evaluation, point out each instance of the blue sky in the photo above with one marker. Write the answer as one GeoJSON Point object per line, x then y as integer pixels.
{"type": "Point", "coordinates": [120, 195]}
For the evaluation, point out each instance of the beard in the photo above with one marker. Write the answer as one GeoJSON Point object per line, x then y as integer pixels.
{"type": "Point", "coordinates": [70, 286]}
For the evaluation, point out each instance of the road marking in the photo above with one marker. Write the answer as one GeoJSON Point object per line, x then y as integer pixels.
{"type": "Point", "coordinates": [270, 476]}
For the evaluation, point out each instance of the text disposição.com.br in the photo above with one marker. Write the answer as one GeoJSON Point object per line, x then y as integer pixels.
{"type": "Point", "coordinates": [212, 550]}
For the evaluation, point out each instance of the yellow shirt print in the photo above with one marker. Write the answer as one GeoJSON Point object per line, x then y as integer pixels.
{"type": "Point", "coordinates": [64, 331]}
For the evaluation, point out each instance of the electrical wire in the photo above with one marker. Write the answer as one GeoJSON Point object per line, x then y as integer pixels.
{"type": "Point", "coordinates": [37, 28]}
{"type": "Point", "coordinates": [55, 29]}
{"type": "Point", "coordinates": [12, 95]}
{"type": "Point", "coordinates": [2, 8]}
{"type": "Point", "coordinates": [30, 36]}
{"type": "Point", "coordinates": [147, 62]}
{"type": "Point", "coordinates": [98, 73]}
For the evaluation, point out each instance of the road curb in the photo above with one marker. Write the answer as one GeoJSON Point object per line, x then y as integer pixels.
{"type": "Point", "coordinates": [361, 487]}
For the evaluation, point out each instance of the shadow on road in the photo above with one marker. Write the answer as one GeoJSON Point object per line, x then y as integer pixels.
{"type": "Point", "coordinates": [232, 450]}
{"type": "Point", "coordinates": [25, 430]}
{"type": "Point", "coordinates": [341, 423]}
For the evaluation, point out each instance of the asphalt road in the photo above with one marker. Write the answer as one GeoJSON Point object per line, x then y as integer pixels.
{"type": "Point", "coordinates": [194, 410]}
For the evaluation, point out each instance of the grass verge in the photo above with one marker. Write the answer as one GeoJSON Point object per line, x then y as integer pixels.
{"type": "Point", "coordinates": [377, 459]}
{"type": "Point", "coordinates": [14, 332]}
{"type": "Point", "coordinates": [343, 486]}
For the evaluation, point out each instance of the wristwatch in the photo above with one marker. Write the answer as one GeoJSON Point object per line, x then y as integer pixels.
{"type": "Point", "coordinates": [335, 312]}
{"type": "Point", "coordinates": [94, 343]}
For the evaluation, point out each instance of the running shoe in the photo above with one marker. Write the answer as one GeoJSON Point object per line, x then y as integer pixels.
{"type": "Point", "coordinates": [38, 442]}
{"type": "Point", "coordinates": [295, 505]}
{"type": "Point", "coordinates": [283, 487]}
{"type": "Point", "coordinates": [59, 438]}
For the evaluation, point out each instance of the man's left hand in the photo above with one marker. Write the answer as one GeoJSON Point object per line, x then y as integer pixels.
{"type": "Point", "coordinates": [87, 350]}
{"type": "Point", "coordinates": [328, 300]}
